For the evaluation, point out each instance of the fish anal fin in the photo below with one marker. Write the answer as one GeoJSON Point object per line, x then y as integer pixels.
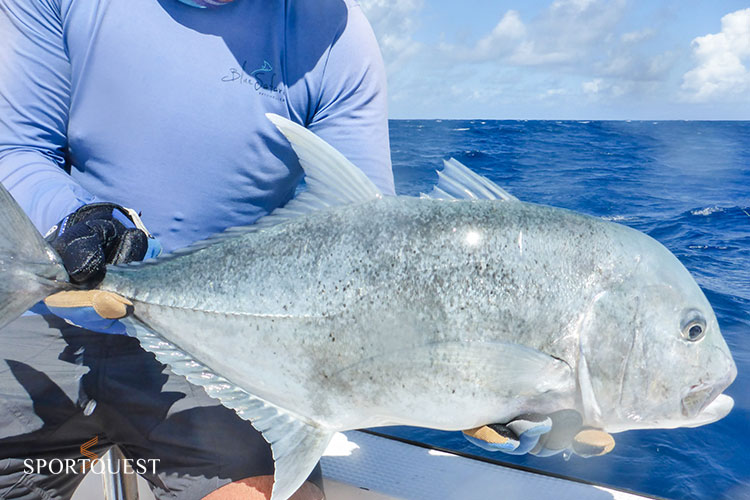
{"type": "Point", "coordinates": [296, 445]}
{"type": "Point", "coordinates": [296, 451]}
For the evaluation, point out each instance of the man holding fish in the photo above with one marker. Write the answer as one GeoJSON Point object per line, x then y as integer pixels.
{"type": "Point", "coordinates": [199, 157]}
{"type": "Point", "coordinates": [158, 105]}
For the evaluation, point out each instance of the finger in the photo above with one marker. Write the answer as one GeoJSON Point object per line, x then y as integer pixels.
{"type": "Point", "coordinates": [593, 443]}
{"type": "Point", "coordinates": [120, 244]}
{"type": "Point", "coordinates": [80, 249]}
{"type": "Point", "coordinates": [517, 437]}
{"type": "Point", "coordinates": [153, 250]}
{"type": "Point", "coordinates": [111, 306]}
{"type": "Point", "coordinates": [87, 318]}
{"type": "Point", "coordinates": [131, 245]}
{"type": "Point", "coordinates": [108, 305]}
{"type": "Point", "coordinates": [526, 444]}
{"type": "Point", "coordinates": [565, 425]}
{"type": "Point", "coordinates": [530, 425]}
{"type": "Point", "coordinates": [529, 428]}
{"type": "Point", "coordinates": [495, 437]}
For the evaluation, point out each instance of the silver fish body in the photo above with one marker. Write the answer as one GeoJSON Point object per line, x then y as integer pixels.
{"type": "Point", "coordinates": [346, 309]}
{"type": "Point", "coordinates": [395, 311]}
{"type": "Point", "coordinates": [442, 314]}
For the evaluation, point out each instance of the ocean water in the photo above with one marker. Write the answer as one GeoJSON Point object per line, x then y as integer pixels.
{"type": "Point", "coordinates": [687, 184]}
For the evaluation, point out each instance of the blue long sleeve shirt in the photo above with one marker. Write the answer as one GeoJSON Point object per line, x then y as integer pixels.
{"type": "Point", "coordinates": [160, 107]}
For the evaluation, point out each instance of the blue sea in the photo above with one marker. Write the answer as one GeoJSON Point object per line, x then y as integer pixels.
{"type": "Point", "coordinates": [687, 184]}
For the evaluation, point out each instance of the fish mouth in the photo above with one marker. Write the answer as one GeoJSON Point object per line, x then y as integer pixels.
{"type": "Point", "coordinates": [702, 404]}
{"type": "Point", "coordinates": [698, 398]}
{"type": "Point", "coordinates": [715, 409]}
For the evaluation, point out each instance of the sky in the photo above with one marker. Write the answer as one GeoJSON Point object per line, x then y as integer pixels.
{"type": "Point", "coordinates": [565, 59]}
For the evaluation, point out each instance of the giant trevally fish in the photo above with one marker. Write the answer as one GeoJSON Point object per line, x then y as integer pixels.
{"type": "Point", "coordinates": [347, 309]}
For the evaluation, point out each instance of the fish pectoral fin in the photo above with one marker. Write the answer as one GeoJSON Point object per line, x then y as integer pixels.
{"type": "Point", "coordinates": [296, 445]}
{"type": "Point", "coordinates": [464, 364]}
{"type": "Point", "coordinates": [458, 182]}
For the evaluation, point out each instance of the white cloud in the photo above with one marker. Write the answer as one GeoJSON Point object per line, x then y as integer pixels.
{"type": "Point", "coordinates": [575, 41]}
{"type": "Point", "coordinates": [553, 92]}
{"type": "Point", "coordinates": [593, 87]}
{"type": "Point", "coordinates": [572, 31]}
{"type": "Point", "coordinates": [599, 88]}
{"type": "Point", "coordinates": [638, 36]}
{"type": "Point", "coordinates": [566, 33]}
{"type": "Point", "coordinates": [568, 58]}
{"type": "Point", "coordinates": [394, 23]}
{"type": "Point", "coordinates": [498, 44]}
{"type": "Point", "coordinates": [722, 59]}
{"type": "Point", "coordinates": [508, 31]}
{"type": "Point", "coordinates": [626, 65]}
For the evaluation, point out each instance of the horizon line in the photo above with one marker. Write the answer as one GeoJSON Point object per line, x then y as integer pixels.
{"type": "Point", "coordinates": [578, 119]}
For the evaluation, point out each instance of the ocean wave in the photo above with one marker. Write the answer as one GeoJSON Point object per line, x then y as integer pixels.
{"type": "Point", "coordinates": [617, 218]}
{"type": "Point", "coordinates": [707, 211]}
{"type": "Point", "coordinates": [708, 247]}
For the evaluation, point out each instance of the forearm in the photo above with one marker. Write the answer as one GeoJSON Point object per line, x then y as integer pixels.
{"type": "Point", "coordinates": [34, 100]}
{"type": "Point", "coordinates": [43, 189]}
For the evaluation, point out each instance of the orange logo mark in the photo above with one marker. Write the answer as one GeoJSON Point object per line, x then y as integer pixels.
{"type": "Point", "coordinates": [92, 457]}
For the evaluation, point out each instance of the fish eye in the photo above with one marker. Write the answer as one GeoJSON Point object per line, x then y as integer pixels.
{"type": "Point", "coordinates": [694, 330]}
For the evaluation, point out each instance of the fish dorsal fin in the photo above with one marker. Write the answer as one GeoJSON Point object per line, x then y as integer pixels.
{"type": "Point", "coordinates": [457, 182]}
{"type": "Point", "coordinates": [296, 445]}
{"type": "Point", "coordinates": [331, 179]}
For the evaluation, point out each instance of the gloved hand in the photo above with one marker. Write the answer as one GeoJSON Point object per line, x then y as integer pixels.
{"type": "Point", "coordinates": [543, 435]}
{"type": "Point", "coordinates": [87, 240]}
{"type": "Point", "coordinates": [516, 437]}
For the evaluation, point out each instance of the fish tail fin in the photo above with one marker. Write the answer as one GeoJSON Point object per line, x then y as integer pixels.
{"type": "Point", "coordinates": [30, 269]}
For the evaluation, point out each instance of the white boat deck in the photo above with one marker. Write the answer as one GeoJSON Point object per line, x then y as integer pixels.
{"type": "Point", "coordinates": [363, 466]}
{"type": "Point", "coordinates": [400, 470]}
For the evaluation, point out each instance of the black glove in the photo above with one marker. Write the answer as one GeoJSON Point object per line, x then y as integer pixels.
{"type": "Point", "coordinates": [91, 237]}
